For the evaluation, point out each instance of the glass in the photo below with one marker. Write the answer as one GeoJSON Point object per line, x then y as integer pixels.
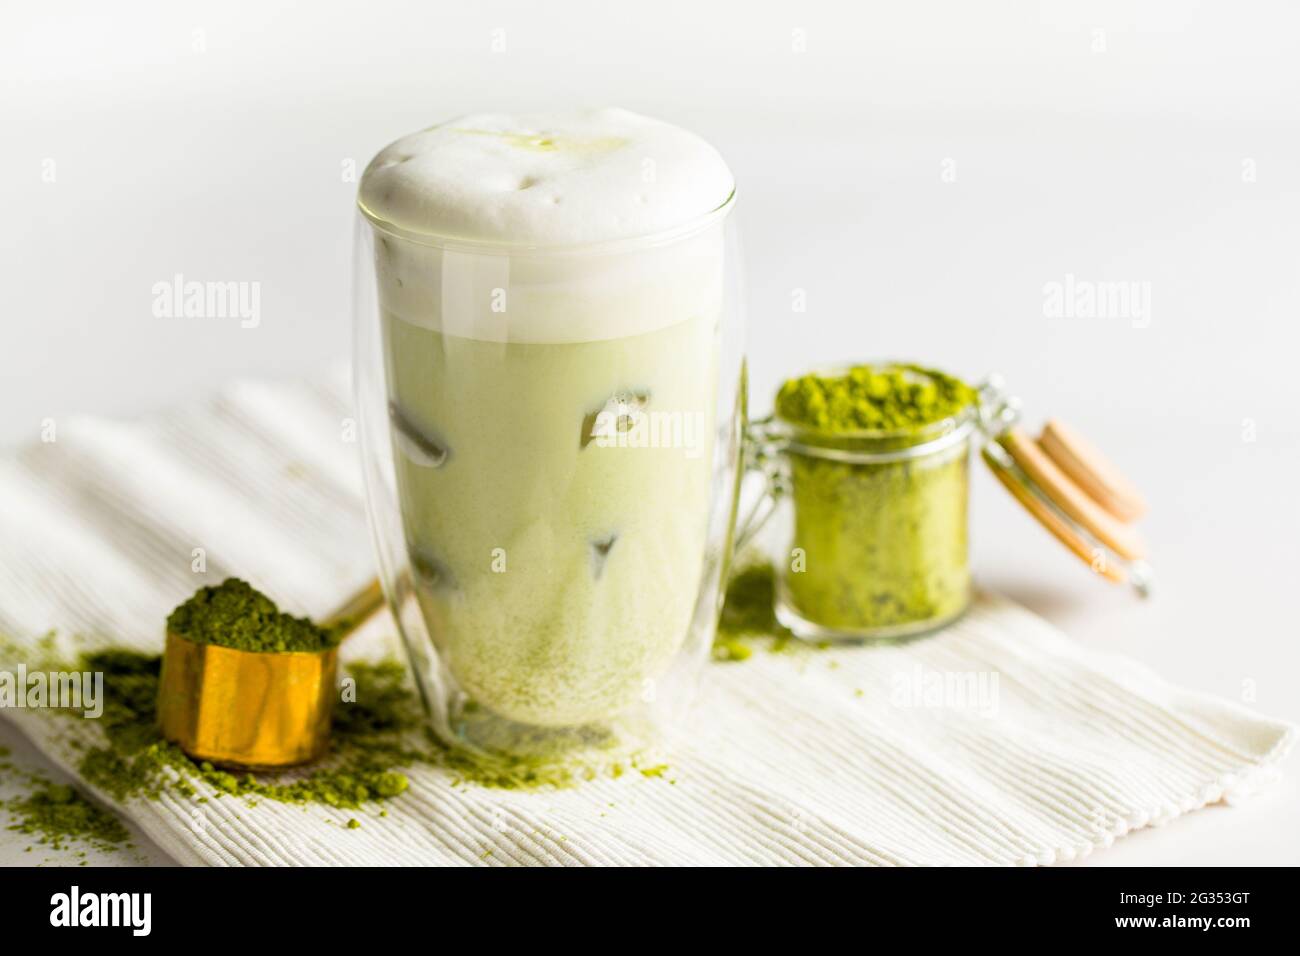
{"type": "Point", "coordinates": [871, 525]}
{"type": "Point", "coordinates": [552, 504]}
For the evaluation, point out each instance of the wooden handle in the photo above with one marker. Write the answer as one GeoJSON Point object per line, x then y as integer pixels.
{"type": "Point", "coordinates": [1091, 471]}
{"type": "Point", "coordinates": [1060, 529]}
{"type": "Point", "coordinates": [1070, 498]}
{"type": "Point", "coordinates": [357, 609]}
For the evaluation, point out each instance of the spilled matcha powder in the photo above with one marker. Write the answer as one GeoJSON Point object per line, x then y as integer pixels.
{"type": "Point", "coordinates": [370, 746]}
{"type": "Point", "coordinates": [879, 546]}
{"type": "Point", "coordinates": [379, 731]}
{"type": "Point", "coordinates": [236, 615]}
{"type": "Point", "coordinates": [748, 615]}
{"type": "Point", "coordinates": [55, 815]}
{"type": "Point", "coordinates": [61, 818]}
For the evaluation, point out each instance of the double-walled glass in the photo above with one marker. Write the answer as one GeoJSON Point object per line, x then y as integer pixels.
{"type": "Point", "coordinates": [551, 441]}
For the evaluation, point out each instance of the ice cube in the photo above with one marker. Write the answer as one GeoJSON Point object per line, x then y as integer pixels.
{"type": "Point", "coordinates": [430, 571]}
{"type": "Point", "coordinates": [618, 415]}
{"type": "Point", "coordinates": [600, 549]}
{"type": "Point", "coordinates": [417, 444]}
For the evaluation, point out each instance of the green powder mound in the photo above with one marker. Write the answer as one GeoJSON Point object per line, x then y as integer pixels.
{"type": "Point", "coordinates": [749, 606]}
{"type": "Point", "coordinates": [749, 614]}
{"type": "Point", "coordinates": [873, 398]}
{"type": "Point", "coordinates": [236, 615]}
{"type": "Point", "coordinates": [61, 818]}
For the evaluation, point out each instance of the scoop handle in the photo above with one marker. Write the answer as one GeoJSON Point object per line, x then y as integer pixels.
{"type": "Point", "coordinates": [357, 609]}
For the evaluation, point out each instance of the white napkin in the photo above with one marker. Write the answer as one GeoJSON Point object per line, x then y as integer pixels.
{"type": "Point", "coordinates": [997, 741]}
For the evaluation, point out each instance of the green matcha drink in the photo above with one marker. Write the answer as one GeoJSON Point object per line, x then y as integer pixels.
{"type": "Point", "coordinates": [557, 561]}
{"type": "Point", "coordinates": [553, 393]}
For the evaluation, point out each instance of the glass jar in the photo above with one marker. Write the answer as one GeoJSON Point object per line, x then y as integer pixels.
{"type": "Point", "coordinates": [871, 524]}
{"type": "Point", "coordinates": [553, 505]}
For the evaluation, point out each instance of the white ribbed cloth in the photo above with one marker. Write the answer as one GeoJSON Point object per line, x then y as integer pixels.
{"type": "Point", "coordinates": [837, 756]}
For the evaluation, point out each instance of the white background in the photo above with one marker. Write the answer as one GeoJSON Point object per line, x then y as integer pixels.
{"type": "Point", "coordinates": [1154, 142]}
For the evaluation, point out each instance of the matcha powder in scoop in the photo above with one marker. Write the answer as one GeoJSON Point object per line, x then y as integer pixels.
{"type": "Point", "coordinates": [236, 615]}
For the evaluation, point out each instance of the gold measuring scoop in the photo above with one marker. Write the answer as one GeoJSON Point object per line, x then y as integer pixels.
{"type": "Point", "coordinates": [255, 710]}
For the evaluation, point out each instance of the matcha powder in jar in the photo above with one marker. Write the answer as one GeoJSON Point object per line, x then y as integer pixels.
{"type": "Point", "coordinates": [874, 460]}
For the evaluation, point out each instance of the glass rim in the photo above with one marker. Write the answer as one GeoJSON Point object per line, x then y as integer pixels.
{"type": "Point", "coordinates": [505, 247]}
{"type": "Point", "coordinates": [866, 447]}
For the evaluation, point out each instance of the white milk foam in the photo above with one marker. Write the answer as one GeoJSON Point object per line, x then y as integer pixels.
{"type": "Point", "coordinates": [546, 179]}
{"type": "Point", "coordinates": [526, 190]}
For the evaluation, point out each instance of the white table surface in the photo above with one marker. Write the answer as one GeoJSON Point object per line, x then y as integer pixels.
{"type": "Point", "coordinates": [213, 142]}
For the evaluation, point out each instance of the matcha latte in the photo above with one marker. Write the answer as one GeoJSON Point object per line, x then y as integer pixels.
{"type": "Point", "coordinates": [551, 297]}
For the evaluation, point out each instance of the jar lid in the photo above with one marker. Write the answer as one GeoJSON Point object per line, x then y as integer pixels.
{"type": "Point", "coordinates": [1069, 487]}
